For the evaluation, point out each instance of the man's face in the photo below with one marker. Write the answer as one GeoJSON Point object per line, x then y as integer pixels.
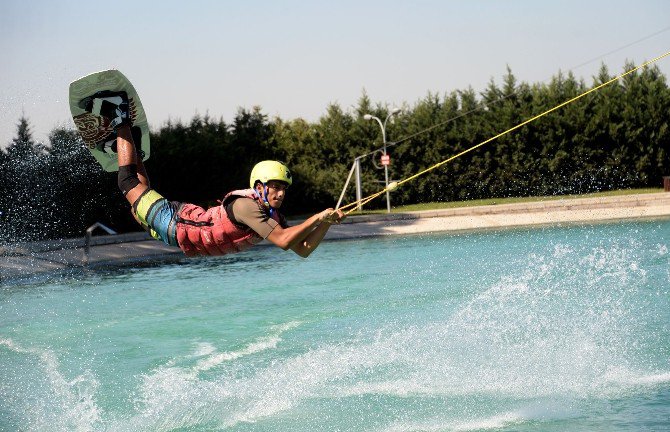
{"type": "Point", "coordinates": [276, 192]}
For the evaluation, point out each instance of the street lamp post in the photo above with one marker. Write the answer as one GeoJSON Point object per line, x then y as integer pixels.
{"type": "Point", "coordinates": [386, 167]}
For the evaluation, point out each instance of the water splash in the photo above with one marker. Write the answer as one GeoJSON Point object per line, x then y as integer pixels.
{"type": "Point", "coordinates": [560, 330]}
{"type": "Point", "coordinates": [550, 334]}
{"type": "Point", "coordinates": [475, 424]}
{"type": "Point", "coordinates": [65, 404]}
{"type": "Point", "coordinates": [177, 396]}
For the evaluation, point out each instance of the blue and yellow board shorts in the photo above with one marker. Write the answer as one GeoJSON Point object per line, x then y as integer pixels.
{"type": "Point", "coordinates": [158, 216]}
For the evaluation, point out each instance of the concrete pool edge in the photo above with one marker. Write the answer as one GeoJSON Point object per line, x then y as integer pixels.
{"type": "Point", "coordinates": [30, 260]}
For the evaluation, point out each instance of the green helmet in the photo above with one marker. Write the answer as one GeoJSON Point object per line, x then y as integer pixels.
{"type": "Point", "coordinates": [270, 170]}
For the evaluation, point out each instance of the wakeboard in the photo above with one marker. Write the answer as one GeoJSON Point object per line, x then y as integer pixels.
{"type": "Point", "coordinates": [96, 130]}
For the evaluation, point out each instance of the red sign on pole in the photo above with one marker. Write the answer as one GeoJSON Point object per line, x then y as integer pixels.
{"type": "Point", "coordinates": [386, 159]}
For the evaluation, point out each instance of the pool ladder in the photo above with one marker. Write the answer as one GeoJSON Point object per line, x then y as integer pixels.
{"type": "Point", "coordinates": [89, 234]}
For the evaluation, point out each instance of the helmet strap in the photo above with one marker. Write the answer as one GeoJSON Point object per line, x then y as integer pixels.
{"type": "Point", "coordinates": [265, 199]}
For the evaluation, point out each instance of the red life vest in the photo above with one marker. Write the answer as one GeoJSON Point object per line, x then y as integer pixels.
{"type": "Point", "coordinates": [211, 232]}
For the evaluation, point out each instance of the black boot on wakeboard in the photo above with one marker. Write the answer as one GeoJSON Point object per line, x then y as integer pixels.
{"type": "Point", "coordinates": [111, 105]}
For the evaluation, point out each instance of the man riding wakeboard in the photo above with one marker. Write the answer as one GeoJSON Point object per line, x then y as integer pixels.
{"type": "Point", "coordinates": [244, 218]}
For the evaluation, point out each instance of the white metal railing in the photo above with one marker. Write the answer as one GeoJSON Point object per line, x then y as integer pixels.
{"type": "Point", "coordinates": [89, 234]}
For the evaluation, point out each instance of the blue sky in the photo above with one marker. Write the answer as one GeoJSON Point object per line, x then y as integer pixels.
{"type": "Point", "coordinates": [293, 58]}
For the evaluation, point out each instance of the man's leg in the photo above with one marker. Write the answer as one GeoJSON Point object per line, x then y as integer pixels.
{"type": "Point", "coordinates": [153, 212]}
{"type": "Point", "coordinates": [133, 179]}
{"type": "Point", "coordinates": [142, 172]}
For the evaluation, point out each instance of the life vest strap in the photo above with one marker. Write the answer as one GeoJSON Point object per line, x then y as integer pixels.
{"type": "Point", "coordinates": [193, 223]}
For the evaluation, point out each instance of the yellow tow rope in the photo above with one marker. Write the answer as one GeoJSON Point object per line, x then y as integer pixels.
{"type": "Point", "coordinates": [394, 185]}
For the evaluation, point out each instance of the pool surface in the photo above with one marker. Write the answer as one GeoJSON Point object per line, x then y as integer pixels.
{"type": "Point", "coordinates": [525, 330]}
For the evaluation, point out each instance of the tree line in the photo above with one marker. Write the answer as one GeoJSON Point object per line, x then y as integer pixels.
{"type": "Point", "coordinates": [618, 137]}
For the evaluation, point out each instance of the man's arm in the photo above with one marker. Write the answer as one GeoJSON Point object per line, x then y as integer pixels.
{"type": "Point", "coordinates": [309, 244]}
{"type": "Point", "coordinates": [303, 239]}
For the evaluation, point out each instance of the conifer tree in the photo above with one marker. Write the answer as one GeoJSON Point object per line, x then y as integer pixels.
{"type": "Point", "coordinates": [22, 146]}
{"type": "Point", "coordinates": [4, 193]}
{"type": "Point", "coordinates": [24, 182]}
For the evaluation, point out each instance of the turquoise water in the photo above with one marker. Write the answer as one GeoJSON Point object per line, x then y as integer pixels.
{"type": "Point", "coordinates": [527, 330]}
